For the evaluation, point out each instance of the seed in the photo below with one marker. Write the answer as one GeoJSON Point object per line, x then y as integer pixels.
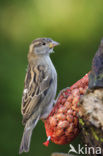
{"type": "Point", "coordinates": [74, 113]}
{"type": "Point", "coordinates": [70, 111]}
{"type": "Point", "coordinates": [70, 98]}
{"type": "Point", "coordinates": [67, 105]}
{"type": "Point", "coordinates": [53, 121]}
{"type": "Point", "coordinates": [81, 90]}
{"type": "Point", "coordinates": [75, 92]}
{"type": "Point", "coordinates": [63, 124]}
{"type": "Point", "coordinates": [69, 129]}
{"type": "Point", "coordinates": [70, 118]}
{"type": "Point", "coordinates": [63, 100]}
{"type": "Point", "coordinates": [58, 132]}
{"type": "Point", "coordinates": [75, 100]}
{"type": "Point", "coordinates": [61, 116]}
{"type": "Point", "coordinates": [62, 109]}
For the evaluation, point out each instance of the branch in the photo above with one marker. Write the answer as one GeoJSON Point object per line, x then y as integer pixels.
{"type": "Point", "coordinates": [91, 105]}
{"type": "Point", "coordinates": [61, 154]}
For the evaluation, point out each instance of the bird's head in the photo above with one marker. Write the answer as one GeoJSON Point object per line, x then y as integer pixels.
{"type": "Point", "coordinates": [42, 46]}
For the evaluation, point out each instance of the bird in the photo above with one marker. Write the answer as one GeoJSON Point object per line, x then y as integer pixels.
{"type": "Point", "coordinates": [40, 87]}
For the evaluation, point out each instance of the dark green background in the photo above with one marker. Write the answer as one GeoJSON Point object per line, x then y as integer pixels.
{"type": "Point", "coordinates": [77, 25]}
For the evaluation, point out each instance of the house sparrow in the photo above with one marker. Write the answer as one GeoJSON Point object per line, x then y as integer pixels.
{"type": "Point", "coordinates": [39, 88]}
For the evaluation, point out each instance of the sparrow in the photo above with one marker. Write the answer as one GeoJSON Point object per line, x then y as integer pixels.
{"type": "Point", "coordinates": [40, 87]}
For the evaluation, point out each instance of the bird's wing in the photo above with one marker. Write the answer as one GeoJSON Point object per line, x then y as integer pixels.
{"type": "Point", "coordinates": [37, 82]}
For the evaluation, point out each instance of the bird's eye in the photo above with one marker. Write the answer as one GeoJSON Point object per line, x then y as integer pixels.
{"type": "Point", "coordinates": [44, 43]}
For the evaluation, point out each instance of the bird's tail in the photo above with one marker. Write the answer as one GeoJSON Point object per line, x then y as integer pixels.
{"type": "Point", "coordinates": [25, 142]}
{"type": "Point", "coordinates": [26, 138]}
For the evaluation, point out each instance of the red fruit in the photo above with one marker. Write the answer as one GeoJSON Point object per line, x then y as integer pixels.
{"type": "Point", "coordinates": [62, 123]}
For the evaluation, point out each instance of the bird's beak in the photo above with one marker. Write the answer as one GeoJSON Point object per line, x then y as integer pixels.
{"type": "Point", "coordinates": [53, 44]}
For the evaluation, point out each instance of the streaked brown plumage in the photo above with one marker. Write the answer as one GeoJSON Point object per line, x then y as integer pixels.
{"type": "Point", "coordinates": [39, 88]}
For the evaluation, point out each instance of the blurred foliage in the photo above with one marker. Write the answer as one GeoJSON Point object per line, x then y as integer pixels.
{"type": "Point", "coordinates": [77, 25]}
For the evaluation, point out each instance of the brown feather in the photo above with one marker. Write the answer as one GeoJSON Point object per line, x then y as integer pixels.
{"type": "Point", "coordinates": [36, 84]}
